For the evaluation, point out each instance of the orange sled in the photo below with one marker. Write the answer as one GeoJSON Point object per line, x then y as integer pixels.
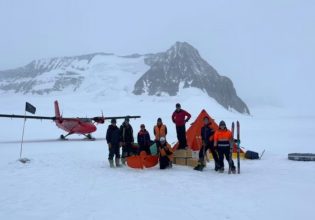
{"type": "Point", "coordinates": [142, 161]}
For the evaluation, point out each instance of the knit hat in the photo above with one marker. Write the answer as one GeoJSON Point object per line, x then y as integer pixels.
{"type": "Point", "coordinates": [222, 123]}
{"type": "Point", "coordinates": [162, 139]}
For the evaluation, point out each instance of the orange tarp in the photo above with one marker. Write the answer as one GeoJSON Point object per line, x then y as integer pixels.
{"type": "Point", "coordinates": [193, 135]}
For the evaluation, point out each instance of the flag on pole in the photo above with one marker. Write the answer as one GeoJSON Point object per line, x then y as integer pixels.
{"type": "Point", "coordinates": [30, 108]}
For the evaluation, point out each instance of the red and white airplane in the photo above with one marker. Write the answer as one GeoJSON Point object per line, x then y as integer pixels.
{"type": "Point", "coordinates": [81, 126]}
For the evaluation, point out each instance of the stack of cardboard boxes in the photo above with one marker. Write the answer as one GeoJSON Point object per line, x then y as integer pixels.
{"type": "Point", "coordinates": [186, 157]}
{"type": "Point", "coordinates": [190, 158]}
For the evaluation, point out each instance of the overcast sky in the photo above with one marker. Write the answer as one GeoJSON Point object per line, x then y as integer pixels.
{"type": "Point", "coordinates": [248, 40]}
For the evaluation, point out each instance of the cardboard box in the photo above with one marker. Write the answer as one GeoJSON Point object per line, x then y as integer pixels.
{"type": "Point", "coordinates": [189, 153]}
{"type": "Point", "coordinates": [192, 162]}
{"type": "Point", "coordinates": [181, 161]}
{"type": "Point", "coordinates": [184, 153]}
{"type": "Point", "coordinates": [180, 153]}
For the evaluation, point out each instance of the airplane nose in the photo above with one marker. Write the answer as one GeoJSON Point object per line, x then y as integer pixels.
{"type": "Point", "coordinates": [87, 128]}
{"type": "Point", "coordinates": [92, 128]}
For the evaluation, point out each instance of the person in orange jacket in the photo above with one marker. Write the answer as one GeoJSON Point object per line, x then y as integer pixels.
{"type": "Point", "coordinates": [223, 139]}
{"type": "Point", "coordinates": [159, 130]}
{"type": "Point", "coordinates": [165, 154]}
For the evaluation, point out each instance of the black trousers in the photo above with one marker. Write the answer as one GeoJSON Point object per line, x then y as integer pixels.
{"type": "Point", "coordinates": [164, 162]}
{"type": "Point", "coordinates": [224, 151]}
{"type": "Point", "coordinates": [114, 150]}
{"type": "Point", "coordinates": [213, 152]}
{"type": "Point", "coordinates": [128, 150]}
{"type": "Point", "coordinates": [181, 136]}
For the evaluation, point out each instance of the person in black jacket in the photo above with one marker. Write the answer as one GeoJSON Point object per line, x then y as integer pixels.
{"type": "Point", "coordinates": [126, 140]}
{"type": "Point", "coordinates": [113, 139]}
{"type": "Point", "coordinates": [144, 140]}
{"type": "Point", "coordinates": [207, 144]}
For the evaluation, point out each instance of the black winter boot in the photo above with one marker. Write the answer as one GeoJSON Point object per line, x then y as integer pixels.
{"type": "Point", "coordinates": [216, 167]}
{"type": "Point", "coordinates": [117, 162]}
{"type": "Point", "coordinates": [233, 170]}
{"type": "Point", "coordinates": [199, 167]}
{"type": "Point", "coordinates": [123, 161]}
{"type": "Point", "coordinates": [111, 163]}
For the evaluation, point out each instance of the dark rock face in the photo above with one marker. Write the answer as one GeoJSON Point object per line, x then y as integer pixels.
{"type": "Point", "coordinates": [181, 65]}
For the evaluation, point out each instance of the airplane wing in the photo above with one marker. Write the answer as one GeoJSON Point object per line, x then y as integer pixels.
{"type": "Point", "coordinates": [100, 119]}
{"type": "Point", "coordinates": [122, 117]}
{"type": "Point", "coordinates": [27, 116]}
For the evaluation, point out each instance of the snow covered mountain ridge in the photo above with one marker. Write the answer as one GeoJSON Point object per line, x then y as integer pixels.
{"type": "Point", "coordinates": [165, 73]}
{"type": "Point", "coordinates": [182, 66]}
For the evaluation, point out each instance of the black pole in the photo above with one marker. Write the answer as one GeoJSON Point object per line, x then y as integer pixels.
{"type": "Point", "coordinates": [21, 149]}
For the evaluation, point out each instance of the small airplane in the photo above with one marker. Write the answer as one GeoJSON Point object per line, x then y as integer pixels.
{"type": "Point", "coordinates": [81, 126]}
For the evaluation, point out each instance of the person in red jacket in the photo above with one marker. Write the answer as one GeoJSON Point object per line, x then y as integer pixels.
{"type": "Point", "coordinates": [222, 141]}
{"type": "Point", "coordinates": [180, 117]}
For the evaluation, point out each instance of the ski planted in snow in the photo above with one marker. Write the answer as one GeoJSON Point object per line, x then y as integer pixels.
{"type": "Point", "coordinates": [231, 149]}
{"type": "Point", "coordinates": [238, 147]}
{"type": "Point", "coordinates": [262, 153]}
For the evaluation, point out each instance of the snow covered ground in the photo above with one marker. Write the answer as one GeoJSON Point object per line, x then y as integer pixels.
{"type": "Point", "coordinates": [72, 179]}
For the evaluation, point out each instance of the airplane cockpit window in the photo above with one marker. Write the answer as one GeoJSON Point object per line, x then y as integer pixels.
{"type": "Point", "coordinates": [86, 119]}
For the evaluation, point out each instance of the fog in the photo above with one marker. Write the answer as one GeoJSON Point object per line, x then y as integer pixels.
{"type": "Point", "coordinates": [266, 47]}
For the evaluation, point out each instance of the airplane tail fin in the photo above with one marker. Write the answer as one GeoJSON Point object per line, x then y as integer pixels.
{"type": "Point", "coordinates": [57, 111]}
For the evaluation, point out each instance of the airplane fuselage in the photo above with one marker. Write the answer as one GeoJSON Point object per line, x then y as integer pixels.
{"type": "Point", "coordinates": [75, 126]}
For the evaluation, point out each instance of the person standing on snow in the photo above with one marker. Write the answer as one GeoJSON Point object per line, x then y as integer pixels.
{"type": "Point", "coordinates": [165, 154]}
{"type": "Point", "coordinates": [180, 117]}
{"type": "Point", "coordinates": [223, 139]}
{"type": "Point", "coordinates": [144, 140]}
{"type": "Point", "coordinates": [160, 130]}
{"type": "Point", "coordinates": [126, 140]}
{"type": "Point", "coordinates": [207, 144]}
{"type": "Point", "coordinates": [113, 138]}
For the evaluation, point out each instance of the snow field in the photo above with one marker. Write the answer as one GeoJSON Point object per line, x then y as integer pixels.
{"type": "Point", "coordinates": [72, 179]}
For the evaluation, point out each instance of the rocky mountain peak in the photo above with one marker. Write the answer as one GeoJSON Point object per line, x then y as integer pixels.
{"type": "Point", "coordinates": [180, 67]}
{"type": "Point", "coordinates": [182, 50]}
